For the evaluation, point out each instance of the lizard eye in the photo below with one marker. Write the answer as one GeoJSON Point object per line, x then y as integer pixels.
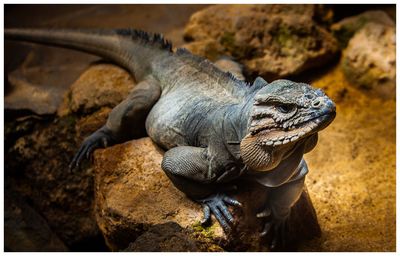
{"type": "Point", "coordinates": [285, 108]}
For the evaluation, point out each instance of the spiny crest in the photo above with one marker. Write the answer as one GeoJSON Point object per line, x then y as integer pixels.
{"type": "Point", "coordinates": [242, 82]}
{"type": "Point", "coordinates": [209, 67]}
{"type": "Point", "coordinates": [146, 38]}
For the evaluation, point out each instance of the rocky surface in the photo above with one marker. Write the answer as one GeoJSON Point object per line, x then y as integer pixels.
{"type": "Point", "coordinates": [346, 28]}
{"type": "Point", "coordinates": [132, 193]}
{"type": "Point", "coordinates": [170, 237]}
{"type": "Point", "coordinates": [369, 60]}
{"type": "Point", "coordinates": [270, 40]}
{"type": "Point", "coordinates": [37, 167]}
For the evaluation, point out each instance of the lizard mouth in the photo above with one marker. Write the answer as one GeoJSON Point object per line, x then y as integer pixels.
{"type": "Point", "coordinates": [280, 136]}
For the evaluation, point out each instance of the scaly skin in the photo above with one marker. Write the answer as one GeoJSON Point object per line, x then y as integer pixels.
{"type": "Point", "coordinates": [214, 127]}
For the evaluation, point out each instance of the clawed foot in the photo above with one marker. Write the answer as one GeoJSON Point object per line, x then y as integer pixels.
{"type": "Point", "coordinates": [99, 139]}
{"type": "Point", "coordinates": [275, 226]}
{"type": "Point", "coordinates": [217, 205]}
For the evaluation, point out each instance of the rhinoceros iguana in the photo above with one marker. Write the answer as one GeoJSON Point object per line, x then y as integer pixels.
{"type": "Point", "coordinates": [214, 127]}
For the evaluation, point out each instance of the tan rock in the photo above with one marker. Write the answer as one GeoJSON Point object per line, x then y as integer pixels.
{"type": "Point", "coordinates": [132, 193]}
{"type": "Point", "coordinates": [87, 125]}
{"type": "Point", "coordinates": [369, 60]}
{"type": "Point", "coordinates": [102, 85]}
{"type": "Point", "coordinates": [270, 40]}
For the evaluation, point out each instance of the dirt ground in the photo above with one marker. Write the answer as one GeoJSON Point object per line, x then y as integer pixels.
{"type": "Point", "coordinates": [352, 179]}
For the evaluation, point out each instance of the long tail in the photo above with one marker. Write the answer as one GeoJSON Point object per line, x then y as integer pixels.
{"type": "Point", "coordinates": [130, 48]}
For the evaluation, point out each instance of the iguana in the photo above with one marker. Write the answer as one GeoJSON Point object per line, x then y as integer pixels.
{"type": "Point", "coordinates": [214, 127]}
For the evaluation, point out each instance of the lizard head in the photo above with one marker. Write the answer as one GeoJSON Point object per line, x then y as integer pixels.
{"type": "Point", "coordinates": [284, 113]}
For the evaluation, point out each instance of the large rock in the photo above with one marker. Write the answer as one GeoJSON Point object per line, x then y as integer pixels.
{"type": "Point", "coordinates": [270, 40]}
{"type": "Point", "coordinates": [134, 195]}
{"type": "Point", "coordinates": [369, 61]}
{"type": "Point", "coordinates": [346, 28]}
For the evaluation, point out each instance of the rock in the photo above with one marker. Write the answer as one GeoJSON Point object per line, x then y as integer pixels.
{"type": "Point", "coordinates": [369, 61]}
{"type": "Point", "coordinates": [270, 40]}
{"type": "Point", "coordinates": [134, 195]}
{"type": "Point", "coordinates": [101, 85]}
{"type": "Point", "coordinates": [28, 96]}
{"type": "Point", "coordinates": [208, 48]}
{"type": "Point", "coordinates": [25, 230]}
{"type": "Point", "coordinates": [36, 166]}
{"type": "Point", "coordinates": [34, 86]}
{"type": "Point", "coordinates": [169, 237]}
{"type": "Point", "coordinates": [17, 126]}
{"type": "Point", "coordinates": [86, 125]}
{"type": "Point", "coordinates": [346, 28]}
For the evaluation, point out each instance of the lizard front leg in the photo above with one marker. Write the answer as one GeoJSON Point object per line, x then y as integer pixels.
{"type": "Point", "coordinates": [281, 199]}
{"type": "Point", "coordinates": [192, 171]}
{"type": "Point", "coordinates": [124, 122]}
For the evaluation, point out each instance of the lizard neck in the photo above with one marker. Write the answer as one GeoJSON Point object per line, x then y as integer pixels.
{"type": "Point", "coordinates": [235, 125]}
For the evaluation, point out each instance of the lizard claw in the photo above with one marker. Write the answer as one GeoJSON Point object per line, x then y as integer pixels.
{"type": "Point", "coordinates": [265, 213]}
{"type": "Point", "coordinates": [99, 139]}
{"type": "Point", "coordinates": [206, 215]}
{"type": "Point", "coordinates": [216, 204]}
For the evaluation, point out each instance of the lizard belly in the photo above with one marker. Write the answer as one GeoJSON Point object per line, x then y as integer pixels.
{"type": "Point", "coordinates": [167, 121]}
{"type": "Point", "coordinates": [162, 124]}
{"type": "Point", "coordinates": [177, 118]}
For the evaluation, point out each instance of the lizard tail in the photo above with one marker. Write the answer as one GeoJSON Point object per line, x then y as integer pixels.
{"type": "Point", "coordinates": [129, 48]}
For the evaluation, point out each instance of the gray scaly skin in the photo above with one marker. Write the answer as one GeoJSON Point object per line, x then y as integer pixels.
{"type": "Point", "coordinates": [214, 127]}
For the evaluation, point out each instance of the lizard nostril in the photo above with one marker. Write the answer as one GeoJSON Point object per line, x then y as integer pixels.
{"type": "Point", "coordinates": [316, 103]}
